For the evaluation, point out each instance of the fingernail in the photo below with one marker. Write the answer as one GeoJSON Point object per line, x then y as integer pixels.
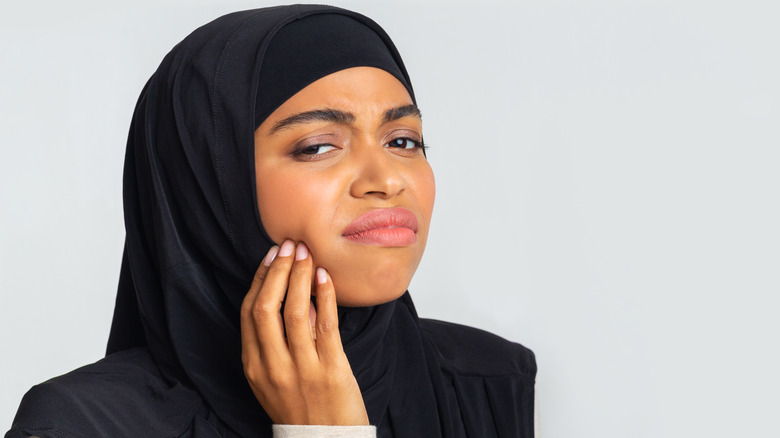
{"type": "Point", "coordinates": [271, 255]}
{"type": "Point", "coordinates": [302, 252]}
{"type": "Point", "coordinates": [322, 276]}
{"type": "Point", "coordinates": [287, 248]}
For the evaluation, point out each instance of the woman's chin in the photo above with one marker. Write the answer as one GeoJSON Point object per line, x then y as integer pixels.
{"type": "Point", "coordinates": [371, 280]}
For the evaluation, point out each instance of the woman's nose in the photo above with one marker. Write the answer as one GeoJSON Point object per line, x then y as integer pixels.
{"type": "Point", "coordinates": [376, 173]}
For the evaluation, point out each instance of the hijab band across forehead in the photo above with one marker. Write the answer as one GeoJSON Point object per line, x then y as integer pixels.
{"type": "Point", "coordinates": [313, 47]}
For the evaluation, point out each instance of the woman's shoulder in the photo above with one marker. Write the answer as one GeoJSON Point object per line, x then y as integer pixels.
{"type": "Point", "coordinates": [106, 398]}
{"type": "Point", "coordinates": [471, 351]}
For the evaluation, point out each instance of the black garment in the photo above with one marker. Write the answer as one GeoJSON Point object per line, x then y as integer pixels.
{"type": "Point", "coordinates": [483, 388]}
{"type": "Point", "coordinates": [194, 240]}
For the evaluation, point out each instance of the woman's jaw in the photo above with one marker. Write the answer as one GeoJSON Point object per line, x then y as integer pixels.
{"type": "Point", "coordinates": [339, 166]}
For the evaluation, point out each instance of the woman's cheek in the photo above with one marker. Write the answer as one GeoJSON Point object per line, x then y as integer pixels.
{"type": "Point", "coordinates": [427, 187]}
{"type": "Point", "coordinates": [276, 200]}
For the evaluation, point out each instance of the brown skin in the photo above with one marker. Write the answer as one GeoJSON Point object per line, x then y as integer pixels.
{"type": "Point", "coordinates": [349, 167]}
{"type": "Point", "coordinates": [312, 198]}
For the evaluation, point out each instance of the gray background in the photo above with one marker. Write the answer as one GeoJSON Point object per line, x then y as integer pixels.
{"type": "Point", "coordinates": [607, 193]}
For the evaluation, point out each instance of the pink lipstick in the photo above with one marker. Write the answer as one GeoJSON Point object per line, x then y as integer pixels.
{"type": "Point", "coordinates": [384, 227]}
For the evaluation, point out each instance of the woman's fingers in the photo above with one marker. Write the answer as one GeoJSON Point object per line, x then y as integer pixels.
{"type": "Point", "coordinates": [304, 379]}
{"type": "Point", "coordinates": [313, 322]}
{"type": "Point", "coordinates": [329, 346]}
{"type": "Point", "coordinates": [267, 306]}
{"type": "Point", "coordinates": [296, 307]}
{"type": "Point", "coordinates": [258, 279]}
{"type": "Point", "coordinates": [250, 345]}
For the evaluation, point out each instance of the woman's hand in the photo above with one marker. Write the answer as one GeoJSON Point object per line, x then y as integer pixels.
{"type": "Point", "coordinates": [305, 378]}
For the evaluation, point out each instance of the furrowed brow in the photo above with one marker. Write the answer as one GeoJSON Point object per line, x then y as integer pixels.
{"type": "Point", "coordinates": [400, 112]}
{"type": "Point", "coordinates": [319, 115]}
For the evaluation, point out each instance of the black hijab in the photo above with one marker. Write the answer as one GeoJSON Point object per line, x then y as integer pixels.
{"type": "Point", "coordinates": [194, 241]}
{"type": "Point", "coordinates": [194, 238]}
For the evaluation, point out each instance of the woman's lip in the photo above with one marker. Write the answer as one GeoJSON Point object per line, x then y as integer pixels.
{"type": "Point", "coordinates": [384, 227]}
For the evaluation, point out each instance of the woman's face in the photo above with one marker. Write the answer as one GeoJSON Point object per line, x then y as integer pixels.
{"type": "Point", "coordinates": [338, 167]}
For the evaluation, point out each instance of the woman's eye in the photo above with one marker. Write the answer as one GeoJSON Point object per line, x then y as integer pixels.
{"type": "Point", "coordinates": [405, 143]}
{"type": "Point", "coordinates": [315, 149]}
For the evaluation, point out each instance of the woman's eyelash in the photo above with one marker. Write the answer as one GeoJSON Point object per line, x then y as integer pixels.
{"type": "Point", "coordinates": [404, 143]}
{"type": "Point", "coordinates": [312, 150]}
{"type": "Point", "coordinates": [401, 143]}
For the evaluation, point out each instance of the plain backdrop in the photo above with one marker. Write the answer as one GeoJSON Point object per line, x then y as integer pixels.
{"type": "Point", "coordinates": [607, 176]}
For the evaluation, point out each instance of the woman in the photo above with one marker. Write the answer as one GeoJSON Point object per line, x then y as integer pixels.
{"type": "Point", "coordinates": [286, 138]}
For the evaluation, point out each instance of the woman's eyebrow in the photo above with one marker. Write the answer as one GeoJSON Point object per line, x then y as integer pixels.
{"type": "Point", "coordinates": [318, 115]}
{"type": "Point", "coordinates": [401, 111]}
{"type": "Point", "coordinates": [338, 116]}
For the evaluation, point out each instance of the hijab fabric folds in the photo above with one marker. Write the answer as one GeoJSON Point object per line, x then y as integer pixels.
{"type": "Point", "coordinates": [194, 240]}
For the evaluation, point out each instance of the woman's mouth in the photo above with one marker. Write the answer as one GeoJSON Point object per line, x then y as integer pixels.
{"type": "Point", "coordinates": [383, 227]}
